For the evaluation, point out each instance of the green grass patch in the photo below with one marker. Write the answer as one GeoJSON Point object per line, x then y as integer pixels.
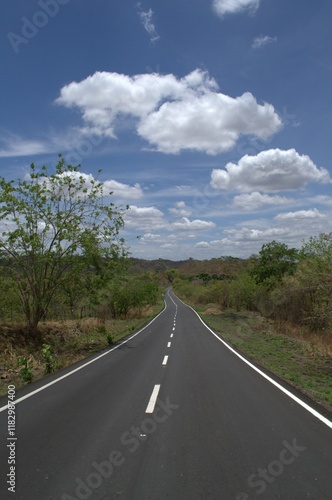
{"type": "Point", "coordinates": [293, 359]}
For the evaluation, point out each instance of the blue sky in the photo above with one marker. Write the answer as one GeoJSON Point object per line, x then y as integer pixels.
{"type": "Point", "coordinates": [210, 118]}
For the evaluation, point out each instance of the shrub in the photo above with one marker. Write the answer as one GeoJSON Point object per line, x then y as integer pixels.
{"type": "Point", "coordinates": [48, 358]}
{"type": "Point", "coordinates": [276, 260]}
{"type": "Point", "coordinates": [110, 339]}
{"type": "Point", "coordinates": [26, 371]}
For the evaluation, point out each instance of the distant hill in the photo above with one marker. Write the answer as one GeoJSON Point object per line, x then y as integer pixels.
{"type": "Point", "coordinates": [218, 266]}
{"type": "Point", "coordinates": [138, 265]}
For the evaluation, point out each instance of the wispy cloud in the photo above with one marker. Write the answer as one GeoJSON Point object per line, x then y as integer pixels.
{"type": "Point", "coordinates": [147, 21]}
{"type": "Point", "coordinates": [73, 142]}
{"type": "Point", "coordinates": [12, 145]}
{"type": "Point", "coordinates": [262, 40]}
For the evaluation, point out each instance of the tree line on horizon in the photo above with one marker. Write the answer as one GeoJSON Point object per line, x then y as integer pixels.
{"type": "Point", "coordinates": [284, 283]}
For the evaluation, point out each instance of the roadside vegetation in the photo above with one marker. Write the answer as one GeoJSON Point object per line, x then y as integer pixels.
{"type": "Point", "coordinates": [61, 343]}
{"type": "Point", "coordinates": [80, 321]}
{"type": "Point", "coordinates": [277, 309]}
{"type": "Point", "coordinates": [66, 284]}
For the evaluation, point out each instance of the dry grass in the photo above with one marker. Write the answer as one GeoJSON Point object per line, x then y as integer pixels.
{"type": "Point", "coordinates": [315, 343]}
{"type": "Point", "coordinates": [70, 341]}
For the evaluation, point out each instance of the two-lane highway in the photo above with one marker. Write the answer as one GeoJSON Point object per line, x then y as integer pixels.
{"type": "Point", "coordinates": [172, 413]}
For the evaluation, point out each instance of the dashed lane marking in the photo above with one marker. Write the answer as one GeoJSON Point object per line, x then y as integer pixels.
{"type": "Point", "coordinates": [153, 399]}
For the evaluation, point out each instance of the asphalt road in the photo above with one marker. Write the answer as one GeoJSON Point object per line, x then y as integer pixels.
{"type": "Point", "coordinates": [170, 414]}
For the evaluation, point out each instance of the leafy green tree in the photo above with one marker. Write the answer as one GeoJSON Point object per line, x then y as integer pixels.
{"type": "Point", "coordinates": [275, 261]}
{"type": "Point", "coordinates": [171, 274]}
{"type": "Point", "coordinates": [244, 291]}
{"type": "Point", "coordinates": [54, 226]}
{"type": "Point", "coordinates": [316, 262]}
{"type": "Point", "coordinates": [126, 293]}
{"type": "Point", "coordinates": [318, 248]}
{"type": "Point", "coordinates": [314, 276]}
{"type": "Point", "coordinates": [10, 309]}
{"type": "Point", "coordinates": [119, 298]}
{"type": "Point", "coordinates": [205, 277]}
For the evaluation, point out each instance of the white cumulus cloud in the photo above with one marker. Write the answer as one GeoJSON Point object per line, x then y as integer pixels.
{"type": "Point", "coordinates": [144, 218]}
{"type": "Point", "coordinates": [151, 237]}
{"type": "Point", "coordinates": [104, 96]}
{"type": "Point", "coordinates": [211, 123]}
{"type": "Point", "coordinates": [251, 201]}
{"type": "Point", "coordinates": [271, 170]}
{"type": "Point", "coordinates": [180, 209]}
{"type": "Point", "coordinates": [202, 244]}
{"type": "Point", "coordinates": [185, 224]}
{"type": "Point", "coordinates": [171, 114]}
{"type": "Point", "coordinates": [223, 7]}
{"type": "Point", "coordinates": [245, 234]}
{"type": "Point", "coordinates": [322, 199]}
{"type": "Point", "coordinates": [124, 190]}
{"type": "Point", "coordinates": [300, 214]}
{"type": "Point", "coordinates": [159, 239]}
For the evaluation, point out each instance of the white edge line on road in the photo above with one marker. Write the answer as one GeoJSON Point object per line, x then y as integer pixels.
{"type": "Point", "coordinates": [165, 360]}
{"type": "Point", "coordinates": [153, 399]}
{"type": "Point", "coordinates": [314, 412]}
{"type": "Point", "coordinates": [3, 408]}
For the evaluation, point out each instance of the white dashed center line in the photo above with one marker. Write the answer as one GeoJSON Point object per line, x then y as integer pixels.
{"type": "Point", "coordinates": [153, 399]}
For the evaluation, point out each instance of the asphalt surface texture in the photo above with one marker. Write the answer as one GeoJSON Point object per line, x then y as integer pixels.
{"type": "Point", "coordinates": [169, 413]}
